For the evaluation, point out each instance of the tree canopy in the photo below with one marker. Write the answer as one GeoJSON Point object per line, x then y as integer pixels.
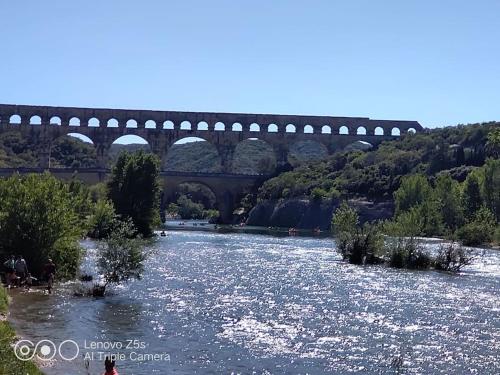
{"type": "Point", "coordinates": [39, 220]}
{"type": "Point", "coordinates": [134, 189]}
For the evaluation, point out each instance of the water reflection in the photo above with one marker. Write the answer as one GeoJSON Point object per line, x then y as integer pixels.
{"type": "Point", "coordinates": [242, 303]}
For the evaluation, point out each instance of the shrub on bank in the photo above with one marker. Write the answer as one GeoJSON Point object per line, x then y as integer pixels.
{"type": "Point", "coordinates": [408, 253]}
{"type": "Point", "coordinates": [120, 257]}
{"type": "Point", "coordinates": [496, 236]}
{"type": "Point", "coordinates": [452, 257]}
{"type": "Point", "coordinates": [480, 230]}
{"type": "Point", "coordinates": [402, 248]}
{"type": "Point", "coordinates": [358, 245]}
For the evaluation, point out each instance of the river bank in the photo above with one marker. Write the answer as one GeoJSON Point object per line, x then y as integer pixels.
{"type": "Point", "coordinates": [9, 363]}
{"type": "Point", "coordinates": [198, 225]}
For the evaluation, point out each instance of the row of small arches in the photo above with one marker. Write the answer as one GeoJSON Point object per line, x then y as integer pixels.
{"type": "Point", "coordinates": [202, 125]}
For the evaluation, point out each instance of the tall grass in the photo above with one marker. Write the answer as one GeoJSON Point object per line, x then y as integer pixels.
{"type": "Point", "coordinates": [4, 301]}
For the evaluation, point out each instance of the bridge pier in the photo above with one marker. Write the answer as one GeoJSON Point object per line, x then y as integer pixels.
{"type": "Point", "coordinates": [44, 159]}
{"type": "Point", "coordinates": [226, 153]}
{"type": "Point", "coordinates": [281, 153]}
{"type": "Point", "coordinates": [102, 151]}
{"type": "Point", "coordinates": [226, 205]}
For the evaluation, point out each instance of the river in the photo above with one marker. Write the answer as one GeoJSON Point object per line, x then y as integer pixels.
{"type": "Point", "coordinates": [241, 303]}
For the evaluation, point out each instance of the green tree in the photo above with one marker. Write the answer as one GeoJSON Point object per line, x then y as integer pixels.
{"type": "Point", "coordinates": [82, 198]}
{"type": "Point", "coordinates": [406, 224]}
{"type": "Point", "coordinates": [121, 257]}
{"type": "Point", "coordinates": [431, 216]}
{"type": "Point", "coordinates": [491, 186]}
{"type": "Point", "coordinates": [134, 189]}
{"type": "Point", "coordinates": [103, 220]}
{"type": "Point", "coordinates": [317, 195]}
{"type": "Point", "coordinates": [471, 196]}
{"type": "Point", "coordinates": [493, 143]}
{"type": "Point", "coordinates": [38, 220]}
{"type": "Point", "coordinates": [188, 209]}
{"type": "Point", "coordinates": [447, 193]}
{"type": "Point", "coordinates": [414, 190]}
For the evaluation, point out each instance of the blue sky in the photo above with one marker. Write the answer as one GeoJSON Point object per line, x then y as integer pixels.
{"type": "Point", "coordinates": [437, 62]}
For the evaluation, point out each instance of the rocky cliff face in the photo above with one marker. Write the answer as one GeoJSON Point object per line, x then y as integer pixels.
{"type": "Point", "coordinates": [306, 214]}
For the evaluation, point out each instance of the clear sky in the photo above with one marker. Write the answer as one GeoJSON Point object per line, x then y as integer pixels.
{"type": "Point", "coordinates": [435, 61]}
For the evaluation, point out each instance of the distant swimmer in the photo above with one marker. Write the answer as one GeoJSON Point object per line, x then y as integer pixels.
{"type": "Point", "coordinates": [50, 272]}
{"type": "Point", "coordinates": [163, 234]}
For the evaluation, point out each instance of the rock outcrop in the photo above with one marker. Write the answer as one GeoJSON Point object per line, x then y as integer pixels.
{"type": "Point", "coordinates": [307, 214]}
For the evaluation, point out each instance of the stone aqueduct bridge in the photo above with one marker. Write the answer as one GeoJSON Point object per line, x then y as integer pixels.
{"type": "Point", "coordinates": [161, 129]}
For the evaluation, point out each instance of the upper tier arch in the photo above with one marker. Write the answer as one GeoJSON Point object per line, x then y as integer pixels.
{"type": "Point", "coordinates": [162, 129]}
{"type": "Point", "coordinates": [140, 117]}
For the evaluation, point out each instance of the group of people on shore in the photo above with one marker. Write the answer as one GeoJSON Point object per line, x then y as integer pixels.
{"type": "Point", "coordinates": [17, 274]}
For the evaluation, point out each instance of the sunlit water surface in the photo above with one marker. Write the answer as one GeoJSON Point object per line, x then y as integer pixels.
{"type": "Point", "coordinates": [239, 303]}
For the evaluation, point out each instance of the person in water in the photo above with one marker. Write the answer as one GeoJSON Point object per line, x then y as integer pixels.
{"type": "Point", "coordinates": [21, 268]}
{"type": "Point", "coordinates": [10, 270]}
{"type": "Point", "coordinates": [50, 272]}
{"type": "Point", "coordinates": [28, 282]}
{"type": "Point", "coordinates": [109, 365]}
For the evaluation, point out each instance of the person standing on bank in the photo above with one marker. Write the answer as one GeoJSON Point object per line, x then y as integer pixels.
{"type": "Point", "coordinates": [50, 271]}
{"type": "Point", "coordinates": [21, 268]}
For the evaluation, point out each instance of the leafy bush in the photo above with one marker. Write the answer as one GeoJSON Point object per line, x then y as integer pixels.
{"type": "Point", "coordinates": [414, 190]}
{"type": "Point", "coordinates": [407, 252]}
{"type": "Point", "coordinates": [358, 245]}
{"type": "Point", "coordinates": [473, 234]}
{"type": "Point", "coordinates": [403, 249]}
{"type": "Point", "coordinates": [452, 257]}
{"type": "Point", "coordinates": [103, 220]}
{"type": "Point", "coordinates": [318, 194]}
{"type": "Point", "coordinates": [120, 257]}
{"type": "Point", "coordinates": [98, 192]}
{"type": "Point", "coordinates": [187, 209]}
{"type": "Point", "coordinates": [478, 231]}
{"type": "Point", "coordinates": [496, 235]}
{"type": "Point", "coordinates": [211, 215]}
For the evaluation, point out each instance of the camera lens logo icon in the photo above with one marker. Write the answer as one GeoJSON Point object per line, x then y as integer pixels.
{"type": "Point", "coordinates": [24, 350]}
{"type": "Point", "coordinates": [46, 350]}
